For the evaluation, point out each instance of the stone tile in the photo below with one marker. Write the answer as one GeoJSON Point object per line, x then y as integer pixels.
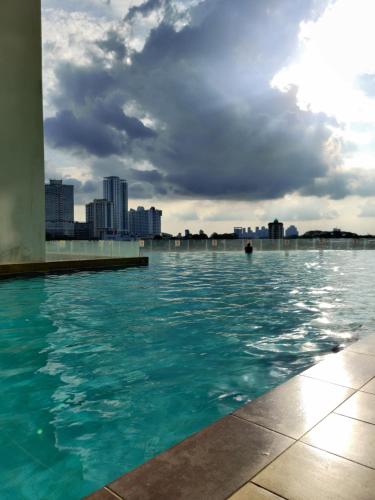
{"type": "Point", "coordinates": [361, 406]}
{"type": "Point", "coordinates": [253, 492]}
{"type": "Point", "coordinates": [102, 494]}
{"type": "Point", "coordinates": [211, 464]}
{"type": "Point", "coordinates": [347, 368]}
{"type": "Point", "coordinates": [347, 437]}
{"type": "Point", "coordinates": [304, 472]}
{"type": "Point", "coordinates": [364, 346]}
{"type": "Point", "coordinates": [369, 387]}
{"type": "Point", "coordinates": [296, 406]}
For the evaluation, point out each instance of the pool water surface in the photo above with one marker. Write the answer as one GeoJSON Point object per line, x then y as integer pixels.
{"type": "Point", "coordinates": [101, 371]}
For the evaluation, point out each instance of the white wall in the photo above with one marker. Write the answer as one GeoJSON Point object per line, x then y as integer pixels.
{"type": "Point", "coordinates": [21, 133]}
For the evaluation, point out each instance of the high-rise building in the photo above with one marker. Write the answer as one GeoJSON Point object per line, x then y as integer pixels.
{"type": "Point", "coordinates": [99, 217]}
{"type": "Point", "coordinates": [116, 191]}
{"type": "Point", "coordinates": [291, 232]}
{"type": "Point", "coordinates": [238, 231]}
{"type": "Point", "coordinates": [145, 223]}
{"type": "Point", "coordinates": [275, 230]}
{"type": "Point", "coordinates": [59, 209]}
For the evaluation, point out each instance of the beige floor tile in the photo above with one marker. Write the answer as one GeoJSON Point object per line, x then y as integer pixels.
{"type": "Point", "coordinates": [346, 368]}
{"type": "Point", "coordinates": [361, 406]}
{"type": "Point", "coordinates": [296, 406]}
{"type": "Point", "coordinates": [346, 437]}
{"type": "Point", "coordinates": [306, 473]}
{"type": "Point", "coordinates": [370, 387]}
{"type": "Point", "coordinates": [253, 492]}
{"type": "Point", "coordinates": [365, 346]}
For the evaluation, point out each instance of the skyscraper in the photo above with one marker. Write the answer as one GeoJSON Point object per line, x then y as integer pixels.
{"type": "Point", "coordinates": [275, 230]}
{"type": "Point", "coordinates": [145, 223]}
{"type": "Point", "coordinates": [59, 209]}
{"type": "Point", "coordinates": [99, 217]}
{"type": "Point", "coordinates": [116, 191]}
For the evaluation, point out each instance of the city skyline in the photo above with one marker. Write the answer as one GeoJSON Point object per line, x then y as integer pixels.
{"type": "Point", "coordinates": [100, 217]}
{"type": "Point", "coordinates": [108, 217]}
{"type": "Point", "coordinates": [183, 135]}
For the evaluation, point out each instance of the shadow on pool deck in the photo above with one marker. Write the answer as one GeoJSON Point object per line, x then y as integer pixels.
{"type": "Point", "coordinates": [312, 437]}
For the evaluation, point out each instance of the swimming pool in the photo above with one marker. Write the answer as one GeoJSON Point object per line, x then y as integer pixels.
{"type": "Point", "coordinates": [101, 371]}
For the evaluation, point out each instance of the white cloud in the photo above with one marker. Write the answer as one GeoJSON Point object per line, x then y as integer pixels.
{"type": "Point", "coordinates": [335, 52]}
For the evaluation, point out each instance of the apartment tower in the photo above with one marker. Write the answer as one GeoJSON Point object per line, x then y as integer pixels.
{"type": "Point", "coordinates": [116, 191]}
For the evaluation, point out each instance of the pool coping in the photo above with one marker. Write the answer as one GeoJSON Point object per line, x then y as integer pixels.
{"type": "Point", "coordinates": [269, 448]}
{"type": "Point", "coordinates": [30, 269]}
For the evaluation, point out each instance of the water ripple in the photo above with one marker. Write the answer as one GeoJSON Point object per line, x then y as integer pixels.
{"type": "Point", "coordinates": [100, 371]}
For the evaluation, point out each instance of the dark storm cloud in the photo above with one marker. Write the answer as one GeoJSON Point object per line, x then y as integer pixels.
{"type": "Point", "coordinates": [220, 130]}
{"type": "Point", "coordinates": [144, 183]}
{"type": "Point", "coordinates": [82, 134]}
{"type": "Point", "coordinates": [81, 85]}
{"type": "Point", "coordinates": [112, 114]}
{"type": "Point", "coordinates": [94, 121]}
{"type": "Point", "coordinates": [83, 191]}
{"type": "Point", "coordinates": [336, 185]}
{"type": "Point", "coordinates": [113, 44]}
{"type": "Point", "coordinates": [86, 187]}
{"type": "Point", "coordinates": [144, 9]}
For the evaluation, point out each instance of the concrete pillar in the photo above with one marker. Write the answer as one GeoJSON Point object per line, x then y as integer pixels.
{"type": "Point", "coordinates": [22, 203]}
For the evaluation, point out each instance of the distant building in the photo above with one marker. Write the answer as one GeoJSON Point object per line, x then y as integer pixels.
{"type": "Point", "coordinates": [187, 234]}
{"type": "Point", "coordinates": [238, 232]}
{"type": "Point", "coordinates": [116, 191]}
{"type": "Point", "coordinates": [59, 199]}
{"type": "Point", "coordinates": [145, 223]}
{"type": "Point", "coordinates": [275, 230]}
{"type": "Point", "coordinates": [291, 232]}
{"type": "Point", "coordinates": [246, 233]}
{"type": "Point", "coordinates": [99, 217]}
{"type": "Point", "coordinates": [81, 231]}
{"type": "Point", "coordinates": [261, 232]}
{"type": "Point", "coordinates": [336, 233]}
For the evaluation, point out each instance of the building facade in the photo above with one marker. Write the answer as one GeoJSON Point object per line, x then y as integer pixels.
{"type": "Point", "coordinates": [59, 199]}
{"type": "Point", "coordinates": [275, 230]}
{"type": "Point", "coordinates": [99, 217]}
{"type": "Point", "coordinates": [115, 190]}
{"type": "Point", "coordinates": [81, 231]}
{"type": "Point", "coordinates": [145, 223]}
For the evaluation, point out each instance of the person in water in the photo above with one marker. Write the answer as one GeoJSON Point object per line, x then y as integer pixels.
{"type": "Point", "coordinates": [248, 248]}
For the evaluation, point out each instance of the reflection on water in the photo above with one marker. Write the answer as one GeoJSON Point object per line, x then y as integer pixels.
{"type": "Point", "coordinates": [100, 371]}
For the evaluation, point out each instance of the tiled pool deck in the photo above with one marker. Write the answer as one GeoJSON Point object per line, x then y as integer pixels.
{"type": "Point", "coordinates": [68, 265]}
{"type": "Point", "coordinates": [311, 438]}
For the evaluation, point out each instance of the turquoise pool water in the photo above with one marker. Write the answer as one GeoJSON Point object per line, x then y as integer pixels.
{"type": "Point", "coordinates": [101, 371]}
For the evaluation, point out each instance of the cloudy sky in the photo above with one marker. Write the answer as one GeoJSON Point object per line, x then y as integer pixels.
{"type": "Point", "coordinates": [220, 112]}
